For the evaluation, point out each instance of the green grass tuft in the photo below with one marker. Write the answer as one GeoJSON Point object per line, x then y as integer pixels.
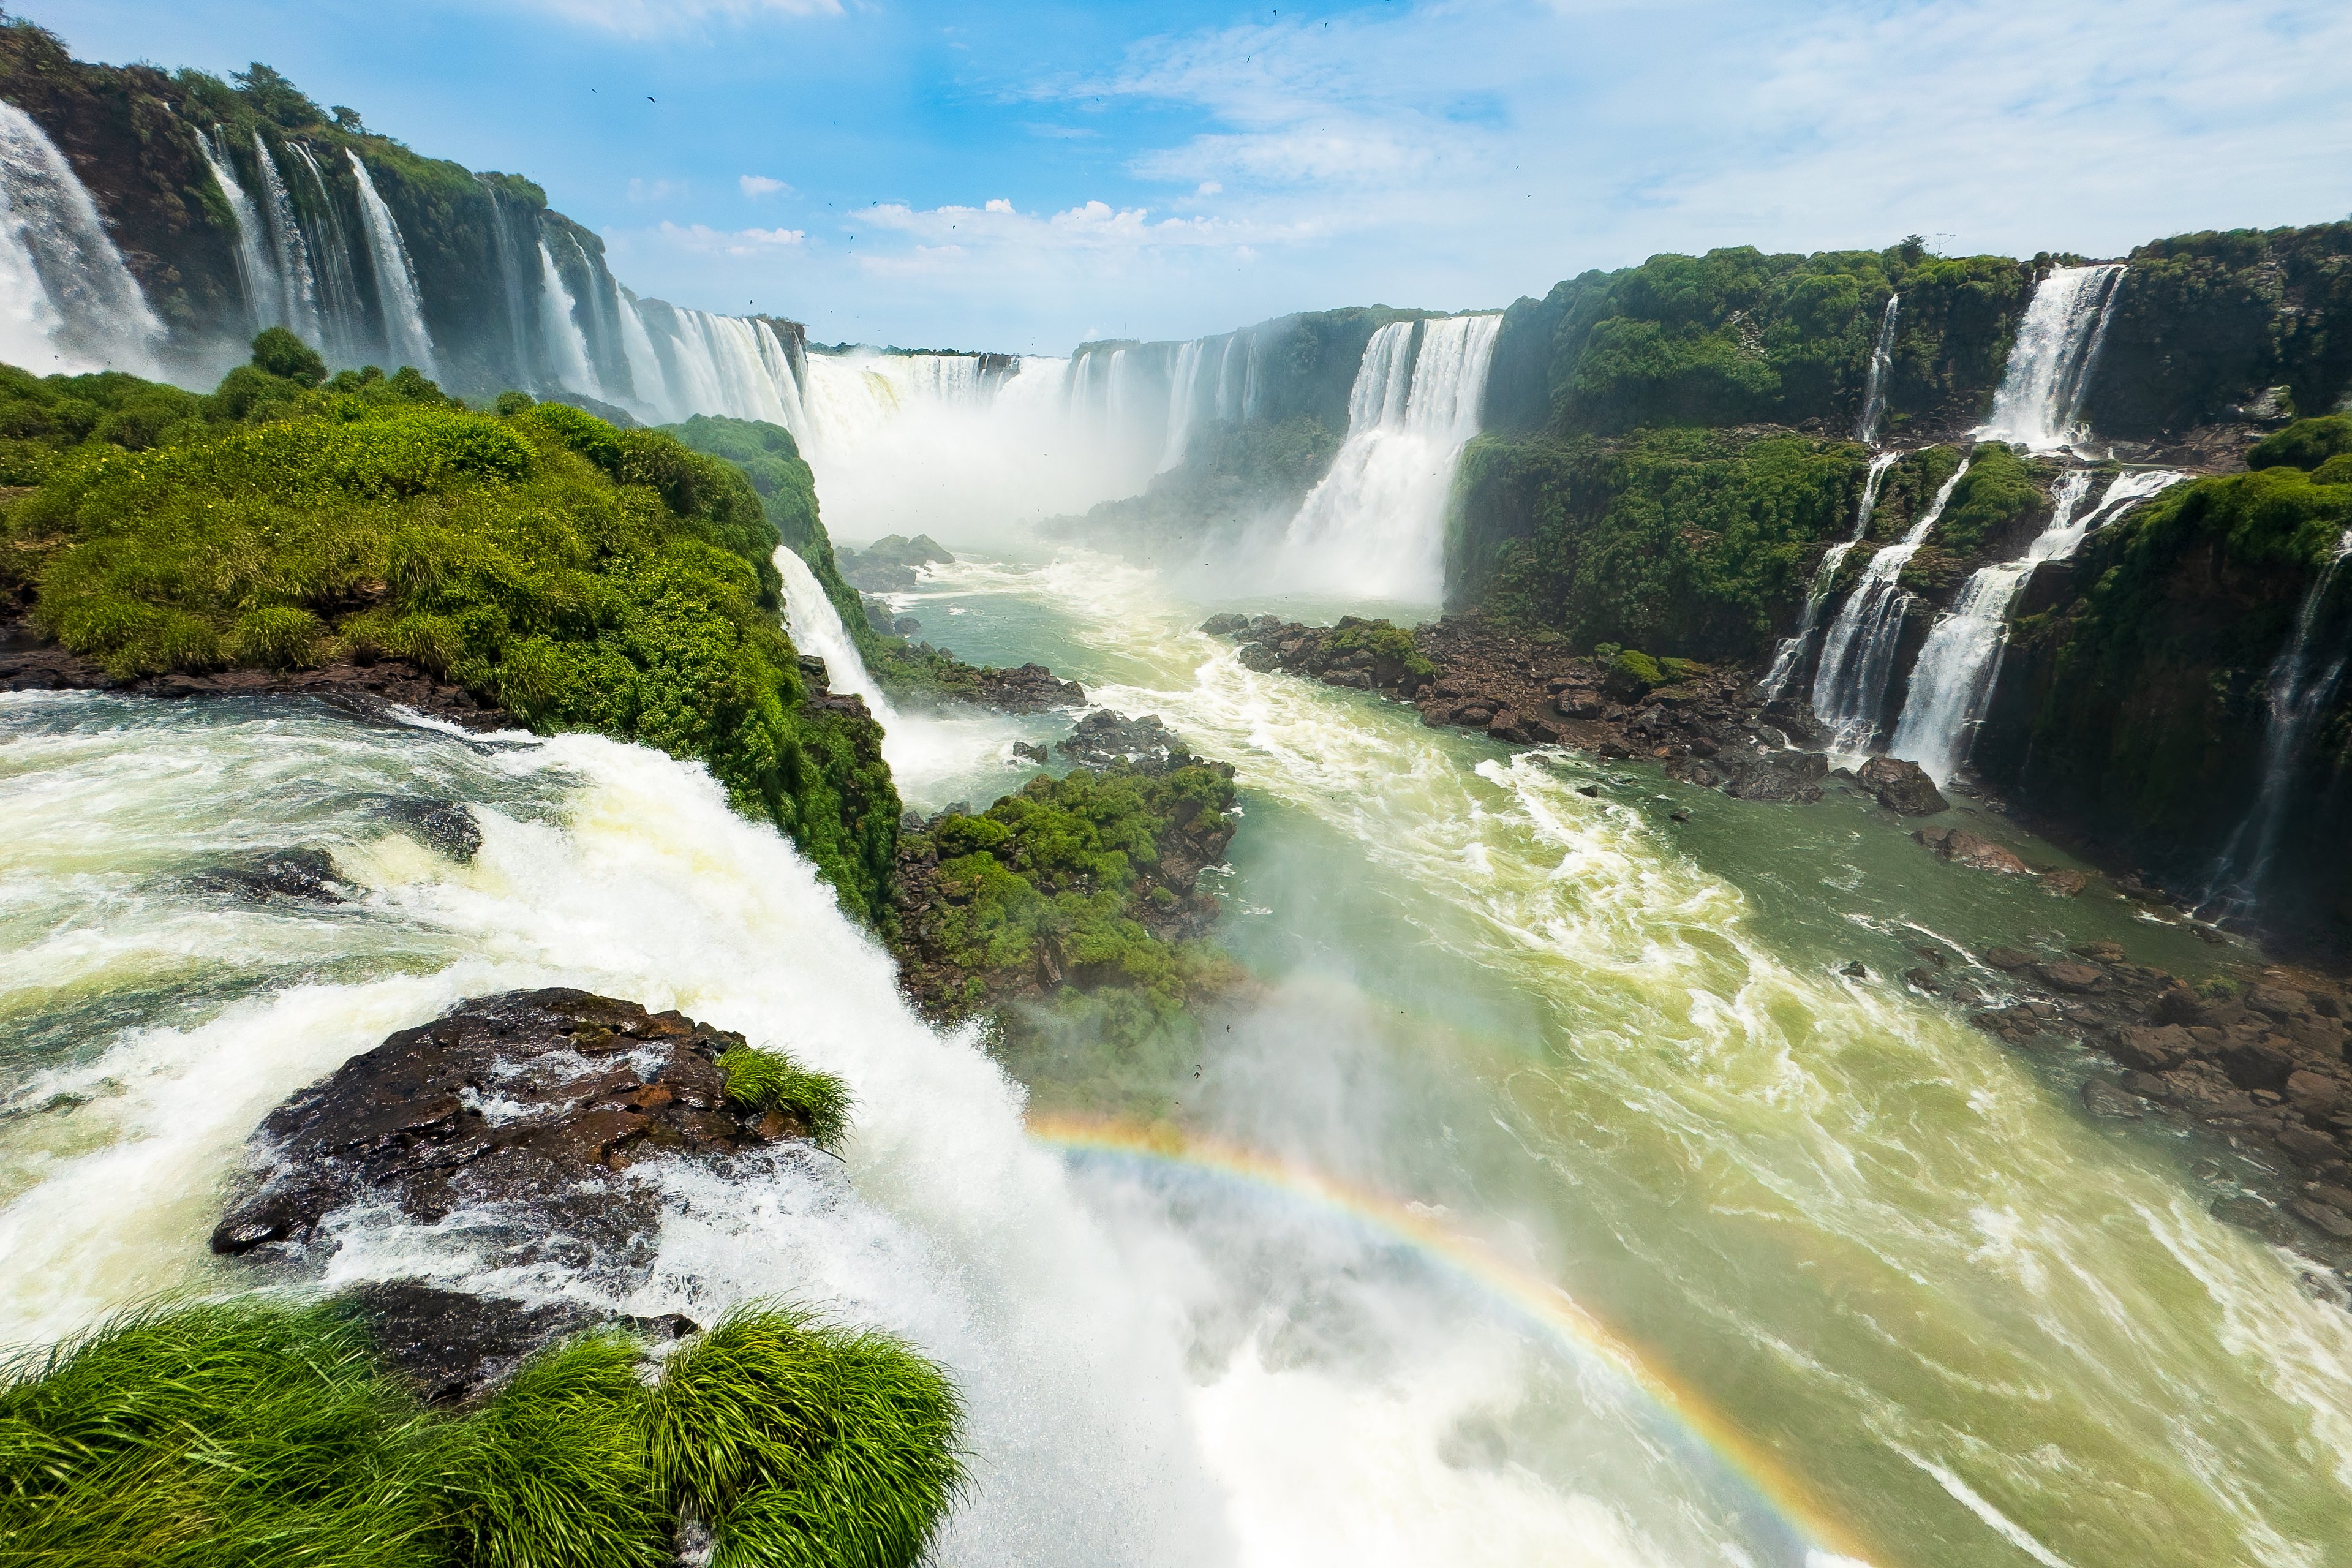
{"type": "Point", "coordinates": [771, 1080]}
{"type": "Point", "coordinates": [802, 1443]}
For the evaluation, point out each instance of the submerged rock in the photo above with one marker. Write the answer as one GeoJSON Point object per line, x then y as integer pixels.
{"type": "Point", "coordinates": [533, 1103]}
{"type": "Point", "coordinates": [447, 825]}
{"type": "Point", "coordinates": [1104, 739]}
{"type": "Point", "coordinates": [305, 875]}
{"type": "Point", "coordinates": [454, 1348]}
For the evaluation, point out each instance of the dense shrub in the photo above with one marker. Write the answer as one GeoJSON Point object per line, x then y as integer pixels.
{"type": "Point", "coordinates": [582, 577]}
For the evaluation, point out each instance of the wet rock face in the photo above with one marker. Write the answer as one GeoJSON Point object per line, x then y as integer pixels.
{"type": "Point", "coordinates": [1904, 788]}
{"type": "Point", "coordinates": [529, 1104]}
{"type": "Point", "coordinates": [1026, 688]}
{"type": "Point", "coordinates": [1104, 739]}
{"type": "Point", "coordinates": [453, 1348]}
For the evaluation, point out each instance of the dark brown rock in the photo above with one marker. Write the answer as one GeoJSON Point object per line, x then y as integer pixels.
{"type": "Point", "coordinates": [2075, 978]}
{"type": "Point", "coordinates": [529, 1103]}
{"type": "Point", "coordinates": [1902, 787]}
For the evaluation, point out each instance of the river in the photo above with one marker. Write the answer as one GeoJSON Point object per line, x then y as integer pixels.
{"type": "Point", "coordinates": [1561, 1202]}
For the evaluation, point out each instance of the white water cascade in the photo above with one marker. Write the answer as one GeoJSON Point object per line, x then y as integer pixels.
{"type": "Point", "coordinates": [2295, 696]}
{"type": "Point", "coordinates": [405, 338]}
{"type": "Point", "coordinates": [1183, 393]}
{"type": "Point", "coordinates": [264, 294]}
{"type": "Point", "coordinates": [690, 361]}
{"type": "Point", "coordinates": [567, 346]}
{"type": "Point", "coordinates": [815, 627]}
{"type": "Point", "coordinates": [1957, 669]}
{"type": "Point", "coordinates": [1881, 361]}
{"type": "Point", "coordinates": [1858, 656]}
{"type": "Point", "coordinates": [346, 334]}
{"type": "Point", "coordinates": [1790, 657]}
{"type": "Point", "coordinates": [67, 301]}
{"type": "Point", "coordinates": [2039, 403]}
{"type": "Point", "coordinates": [1374, 527]}
{"type": "Point", "coordinates": [298, 283]}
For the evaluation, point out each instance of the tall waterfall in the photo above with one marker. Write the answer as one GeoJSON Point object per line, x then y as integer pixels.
{"type": "Point", "coordinates": [2295, 696]}
{"type": "Point", "coordinates": [690, 361]}
{"type": "Point", "coordinates": [348, 334]}
{"type": "Point", "coordinates": [67, 301]}
{"type": "Point", "coordinates": [1790, 657]}
{"type": "Point", "coordinates": [264, 295]}
{"type": "Point", "coordinates": [2039, 403]}
{"type": "Point", "coordinates": [1882, 360]}
{"type": "Point", "coordinates": [1858, 657]}
{"type": "Point", "coordinates": [298, 286]}
{"type": "Point", "coordinates": [814, 626]}
{"type": "Point", "coordinates": [567, 347]}
{"type": "Point", "coordinates": [1374, 527]}
{"type": "Point", "coordinates": [405, 338]}
{"type": "Point", "coordinates": [1953, 680]}
{"type": "Point", "coordinates": [1184, 394]}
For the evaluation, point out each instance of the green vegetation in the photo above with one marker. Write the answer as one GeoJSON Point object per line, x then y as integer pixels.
{"type": "Point", "coordinates": [2305, 444]}
{"type": "Point", "coordinates": [1069, 900]}
{"type": "Point", "coordinates": [1387, 643]}
{"type": "Point", "coordinates": [257, 1430]}
{"type": "Point", "coordinates": [771, 1080]}
{"type": "Point", "coordinates": [580, 576]}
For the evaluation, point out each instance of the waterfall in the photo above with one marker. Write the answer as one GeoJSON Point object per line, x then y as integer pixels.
{"type": "Point", "coordinates": [67, 301]}
{"type": "Point", "coordinates": [299, 285]}
{"type": "Point", "coordinates": [1882, 360]}
{"type": "Point", "coordinates": [1374, 527]}
{"type": "Point", "coordinates": [395, 279]}
{"type": "Point", "coordinates": [1182, 395]}
{"type": "Point", "coordinates": [2295, 698]}
{"type": "Point", "coordinates": [605, 355]}
{"type": "Point", "coordinates": [264, 296]}
{"type": "Point", "coordinates": [814, 626]}
{"type": "Point", "coordinates": [1960, 664]}
{"type": "Point", "coordinates": [1791, 654]}
{"type": "Point", "coordinates": [1858, 656]}
{"type": "Point", "coordinates": [514, 285]}
{"type": "Point", "coordinates": [646, 376]}
{"type": "Point", "coordinates": [344, 313]}
{"type": "Point", "coordinates": [560, 332]}
{"type": "Point", "coordinates": [2040, 401]}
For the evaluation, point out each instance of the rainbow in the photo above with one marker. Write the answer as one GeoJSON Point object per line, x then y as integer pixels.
{"type": "Point", "coordinates": [1785, 1496]}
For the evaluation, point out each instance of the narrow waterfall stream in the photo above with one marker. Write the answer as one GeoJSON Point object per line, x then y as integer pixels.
{"type": "Point", "coordinates": [68, 304]}
{"type": "Point", "coordinates": [1788, 658]}
{"type": "Point", "coordinates": [1858, 656]}
{"type": "Point", "coordinates": [407, 341]}
{"type": "Point", "coordinates": [2039, 403]}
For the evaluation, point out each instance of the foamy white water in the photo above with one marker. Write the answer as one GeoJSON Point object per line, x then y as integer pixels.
{"type": "Point", "coordinates": [2039, 403]}
{"type": "Point", "coordinates": [68, 304]}
{"type": "Point", "coordinates": [407, 341]}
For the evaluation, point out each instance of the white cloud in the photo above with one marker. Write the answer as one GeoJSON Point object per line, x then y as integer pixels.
{"type": "Point", "coordinates": [758, 185]}
{"type": "Point", "coordinates": [644, 18]}
{"type": "Point", "coordinates": [655, 190]}
{"type": "Point", "coordinates": [706, 240]}
{"type": "Point", "coordinates": [1094, 225]}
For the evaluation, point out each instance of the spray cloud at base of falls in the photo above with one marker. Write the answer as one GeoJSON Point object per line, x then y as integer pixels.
{"type": "Point", "coordinates": [1953, 679]}
{"type": "Point", "coordinates": [68, 303]}
{"type": "Point", "coordinates": [1373, 527]}
{"type": "Point", "coordinates": [2039, 403]}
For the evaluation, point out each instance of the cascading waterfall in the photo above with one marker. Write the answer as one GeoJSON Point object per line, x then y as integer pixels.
{"type": "Point", "coordinates": [264, 294]}
{"type": "Point", "coordinates": [1790, 657]}
{"type": "Point", "coordinates": [405, 338]}
{"type": "Point", "coordinates": [648, 380]}
{"type": "Point", "coordinates": [1373, 527]}
{"type": "Point", "coordinates": [513, 283]}
{"type": "Point", "coordinates": [347, 333]}
{"type": "Point", "coordinates": [815, 627]}
{"type": "Point", "coordinates": [1959, 666]}
{"type": "Point", "coordinates": [1881, 361]}
{"type": "Point", "coordinates": [2295, 696]}
{"type": "Point", "coordinates": [68, 303]}
{"type": "Point", "coordinates": [1182, 395]}
{"type": "Point", "coordinates": [560, 331]}
{"type": "Point", "coordinates": [703, 363]}
{"type": "Point", "coordinates": [298, 283]}
{"type": "Point", "coordinates": [2040, 401]}
{"type": "Point", "coordinates": [1858, 656]}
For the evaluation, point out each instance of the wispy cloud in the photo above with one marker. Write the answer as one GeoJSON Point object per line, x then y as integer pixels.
{"type": "Point", "coordinates": [758, 185]}
{"type": "Point", "coordinates": [703, 239]}
{"type": "Point", "coordinates": [644, 18]}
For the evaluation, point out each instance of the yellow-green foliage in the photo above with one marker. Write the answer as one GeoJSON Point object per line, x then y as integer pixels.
{"type": "Point", "coordinates": [256, 1431]}
{"type": "Point", "coordinates": [580, 576]}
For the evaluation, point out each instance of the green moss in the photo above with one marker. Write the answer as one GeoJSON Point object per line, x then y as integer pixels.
{"type": "Point", "coordinates": [256, 1430]}
{"type": "Point", "coordinates": [1634, 671]}
{"type": "Point", "coordinates": [772, 1080]}
{"type": "Point", "coordinates": [1387, 643]}
{"type": "Point", "coordinates": [582, 577]}
{"type": "Point", "coordinates": [2305, 444]}
{"type": "Point", "coordinates": [2001, 490]}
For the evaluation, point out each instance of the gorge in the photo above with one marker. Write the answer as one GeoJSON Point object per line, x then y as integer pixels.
{"type": "Point", "coordinates": [1474, 1014]}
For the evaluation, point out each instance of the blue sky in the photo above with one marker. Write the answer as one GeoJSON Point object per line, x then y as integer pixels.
{"type": "Point", "coordinates": [1022, 175]}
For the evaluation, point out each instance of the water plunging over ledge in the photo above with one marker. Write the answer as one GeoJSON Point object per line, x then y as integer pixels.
{"type": "Point", "coordinates": [1858, 656]}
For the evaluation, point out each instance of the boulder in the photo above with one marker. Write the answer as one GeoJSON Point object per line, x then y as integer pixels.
{"type": "Point", "coordinates": [2007, 958]}
{"type": "Point", "coordinates": [304, 875]}
{"type": "Point", "coordinates": [1780, 776]}
{"type": "Point", "coordinates": [527, 1105]}
{"type": "Point", "coordinates": [1965, 848]}
{"type": "Point", "coordinates": [2152, 1049]}
{"type": "Point", "coordinates": [453, 1348]}
{"type": "Point", "coordinates": [2103, 1098]}
{"type": "Point", "coordinates": [1578, 702]}
{"type": "Point", "coordinates": [2277, 1002]}
{"type": "Point", "coordinates": [2063, 884]}
{"type": "Point", "coordinates": [1902, 787]}
{"type": "Point", "coordinates": [2076, 978]}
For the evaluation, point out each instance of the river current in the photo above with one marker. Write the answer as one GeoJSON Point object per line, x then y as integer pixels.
{"type": "Point", "coordinates": [1560, 1200]}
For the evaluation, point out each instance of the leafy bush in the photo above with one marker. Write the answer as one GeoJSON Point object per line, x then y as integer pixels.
{"type": "Point", "coordinates": [580, 576]}
{"type": "Point", "coordinates": [2305, 444]}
